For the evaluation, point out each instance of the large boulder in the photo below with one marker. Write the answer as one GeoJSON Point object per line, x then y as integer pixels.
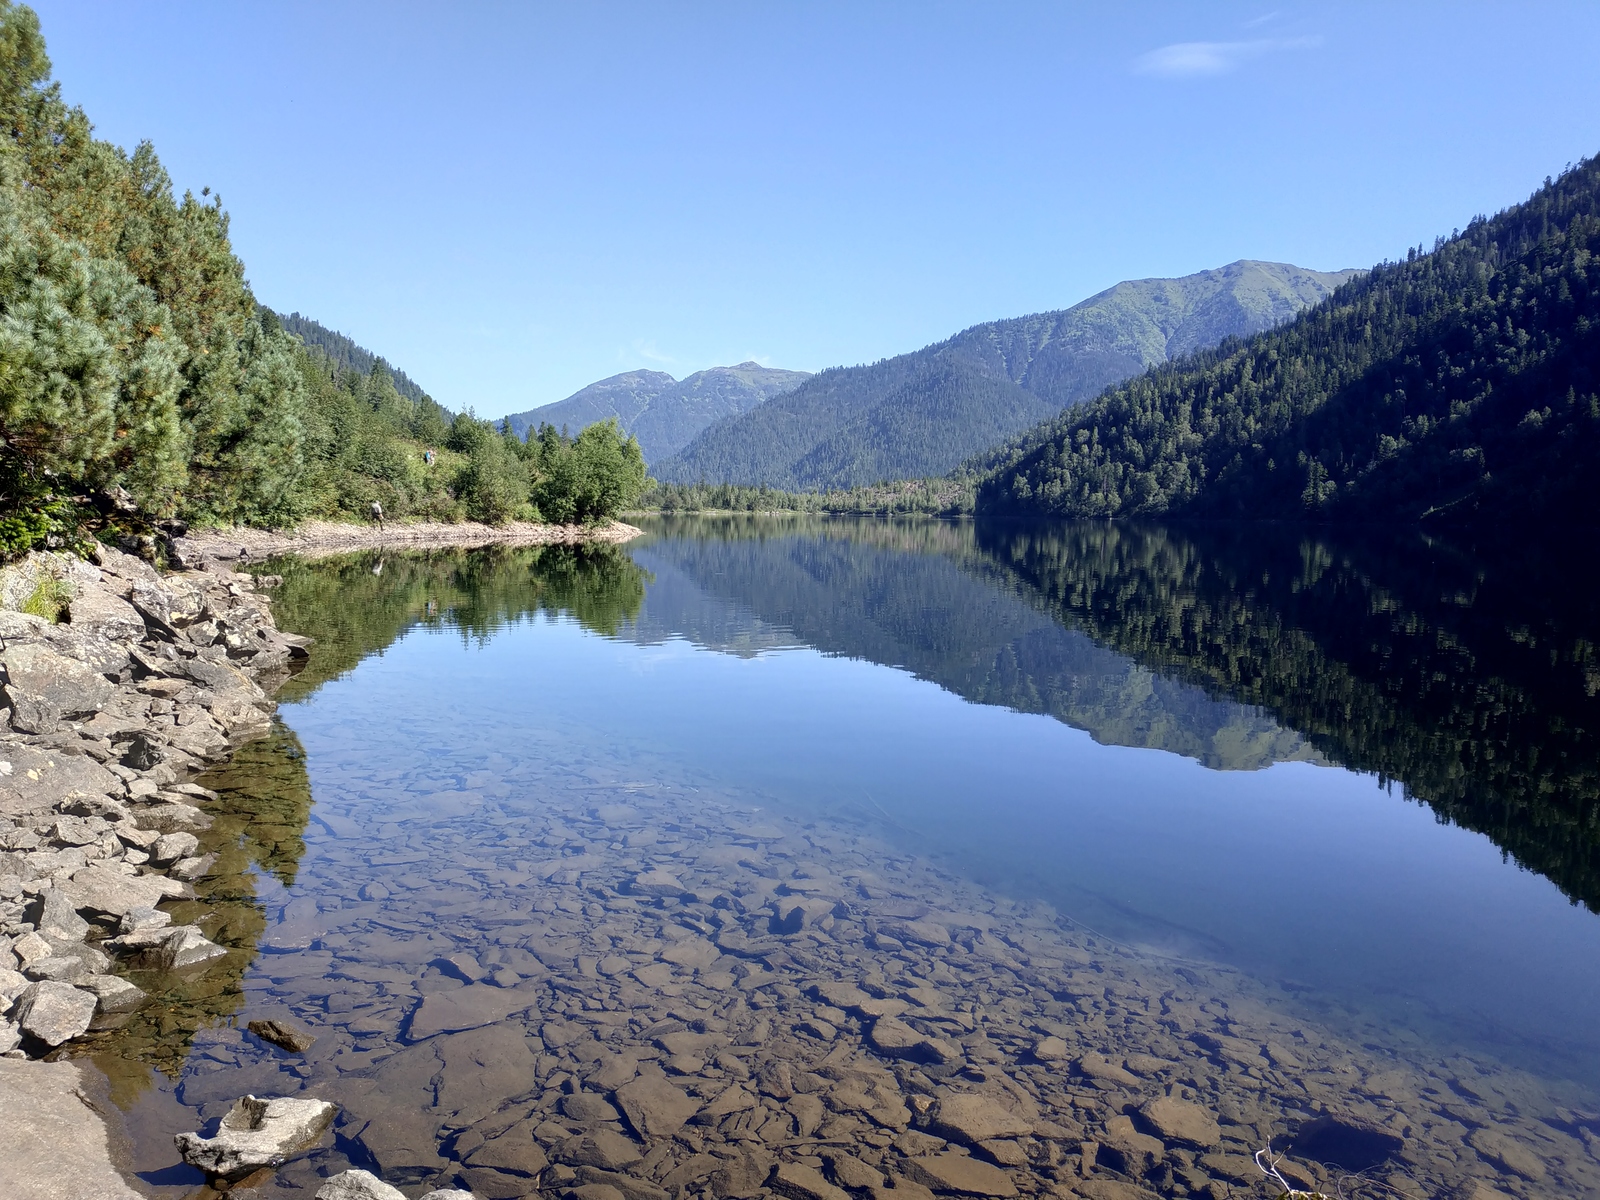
{"type": "Point", "coordinates": [67, 685]}
{"type": "Point", "coordinates": [257, 1133]}
{"type": "Point", "coordinates": [53, 1012]}
{"type": "Point", "coordinates": [36, 781]}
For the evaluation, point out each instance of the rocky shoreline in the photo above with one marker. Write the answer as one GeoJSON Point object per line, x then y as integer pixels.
{"type": "Point", "coordinates": [317, 539]}
{"type": "Point", "coordinates": [142, 682]}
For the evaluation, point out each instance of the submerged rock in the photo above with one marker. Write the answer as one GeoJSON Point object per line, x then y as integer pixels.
{"type": "Point", "coordinates": [283, 1032]}
{"type": "Point", "coordinates": [953, 1172]}
{"type": "Point", "coordinates": [1180, 1121]}
{"type": "Point", "coordinates": [973, 1119]}
{"type": "Point", "coordinates": [654, 1107]}
{"type": "Point", "coordinates": [257, 1133]}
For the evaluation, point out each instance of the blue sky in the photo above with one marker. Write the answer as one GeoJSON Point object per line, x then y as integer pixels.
{"type": "Point", "coordinates": [512, 200]}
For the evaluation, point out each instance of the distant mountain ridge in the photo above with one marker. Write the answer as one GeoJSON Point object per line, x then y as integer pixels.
{"type": "Point", "coordinates": [926, 412]}
{"type": "Point", "coordinates": [662, 412]}
{"type": "Point", "coordinates": [345, 352]}
{"type": "Point", "coordinates": [1457, 385]}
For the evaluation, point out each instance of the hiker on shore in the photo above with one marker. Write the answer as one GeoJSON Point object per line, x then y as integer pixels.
{"type": "Point", "coordinates": [377, 513]}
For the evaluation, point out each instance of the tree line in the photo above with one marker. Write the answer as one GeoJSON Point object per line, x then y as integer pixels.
{"type": "Point", "coordinates": [946, 497]}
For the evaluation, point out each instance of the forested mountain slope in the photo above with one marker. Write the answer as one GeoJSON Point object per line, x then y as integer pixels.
{"type": "Point", "coordinates": [346, 354]}
{"type": "Point", "coordinates": [1457, 385]}
{"type": "Point", "coordinates": [926, 412]}
{"type": "Point", "coordinates": [663, 413]}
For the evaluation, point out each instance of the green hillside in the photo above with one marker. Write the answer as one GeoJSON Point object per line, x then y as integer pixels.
{"type": "Point", "coordinates": [663, 413]}
{"type": "Point", "coordinates": [1457, 385]}
{"type": "Point", "coordinates": [924, 413]}
{"type": "Point", "coordinates": [346, 353]}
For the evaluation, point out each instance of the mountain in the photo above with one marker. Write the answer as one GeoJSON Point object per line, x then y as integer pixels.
{"type": "Point", "coordinates": [1460, 385]}
{"type": "Point", "coordinates": [926, 412]}
{"type": "Point", "coordinates": [345, 353]}
{"type": "Point", "coordinates": [662, 412]}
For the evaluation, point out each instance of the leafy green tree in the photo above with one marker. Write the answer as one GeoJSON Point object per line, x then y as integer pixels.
{"type": "Point", "coordinates": [591, 477]}
{"type": "Point", "coordinates": [494, 484]}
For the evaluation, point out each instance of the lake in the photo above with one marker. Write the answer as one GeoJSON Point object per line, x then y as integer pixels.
{"type": "Point", "coordinates": [968, 856]}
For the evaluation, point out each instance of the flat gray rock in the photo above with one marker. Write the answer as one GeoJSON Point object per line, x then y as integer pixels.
{"type": "Point", "coordinates": [72, 688]}
{"type": "Point", "coordinates": [514, 1151]}
{"type": "Point", "coordinates": [1180, 1121]}
{"type": "Point", "coordinates": [971, 1118]}
{"type": "Point", "coordinates": [56, 1147]}
{"type": "Point", "coordinates": [656, 883]}
{"type": "Point", "coordinates": [465, 1008]}
{"type": "Point", "coordinates": [104, 892]}
{"type": "Point", "coordinates": [38, 780]}
{"type": "Point", "coordinates": [605, 1148]}
{"type": "Point", "coordinates": [957, 1173]}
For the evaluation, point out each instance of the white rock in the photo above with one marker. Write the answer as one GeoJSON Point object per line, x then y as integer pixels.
{"type": "Point", "coordinates": [363, 1185]}
{"type": "Point", "coordinates": [10, 1036]}
{"type": "Point", "coordinates": [11, 985]}
{"type": "Point", "coordinates": [257, 1133]}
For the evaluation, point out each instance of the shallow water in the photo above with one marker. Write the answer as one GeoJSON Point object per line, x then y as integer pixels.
{"type": "Point", "coordinates": [1273, 823]}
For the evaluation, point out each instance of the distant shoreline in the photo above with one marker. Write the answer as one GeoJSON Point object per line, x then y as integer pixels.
{"type": "Point", "coordinates": [318, 539]}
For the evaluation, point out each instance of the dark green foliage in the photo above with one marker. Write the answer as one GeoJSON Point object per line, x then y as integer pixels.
{"type": "Point", "coordinates": [343, 352]}
{"type": "Point", "coordinates": [924, 413]}
{"type": "Point", "coordinates": [494, 485]}
{"type": "Point", "coordinates": [365, 443]}
{"type": "Point", "coordinates": [1460, 385]}
{"type": "Point", "coordinates": [589, 478]}
{"type": "Point", "coordinates": [130, 350]}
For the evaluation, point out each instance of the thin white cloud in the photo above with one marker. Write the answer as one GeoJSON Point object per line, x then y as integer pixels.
{"type": "Point", "coordinates": [1189, 60]}
{"type": "Point", "coordinates": [648, 351]}
{"type": "Point", "coordinates": [1263, 19]}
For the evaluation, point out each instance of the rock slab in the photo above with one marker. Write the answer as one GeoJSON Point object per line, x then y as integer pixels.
{"type": "Point", "coordinates": [55, 1144]}
{"type": "Point", "coordinates": [257, 1133]}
